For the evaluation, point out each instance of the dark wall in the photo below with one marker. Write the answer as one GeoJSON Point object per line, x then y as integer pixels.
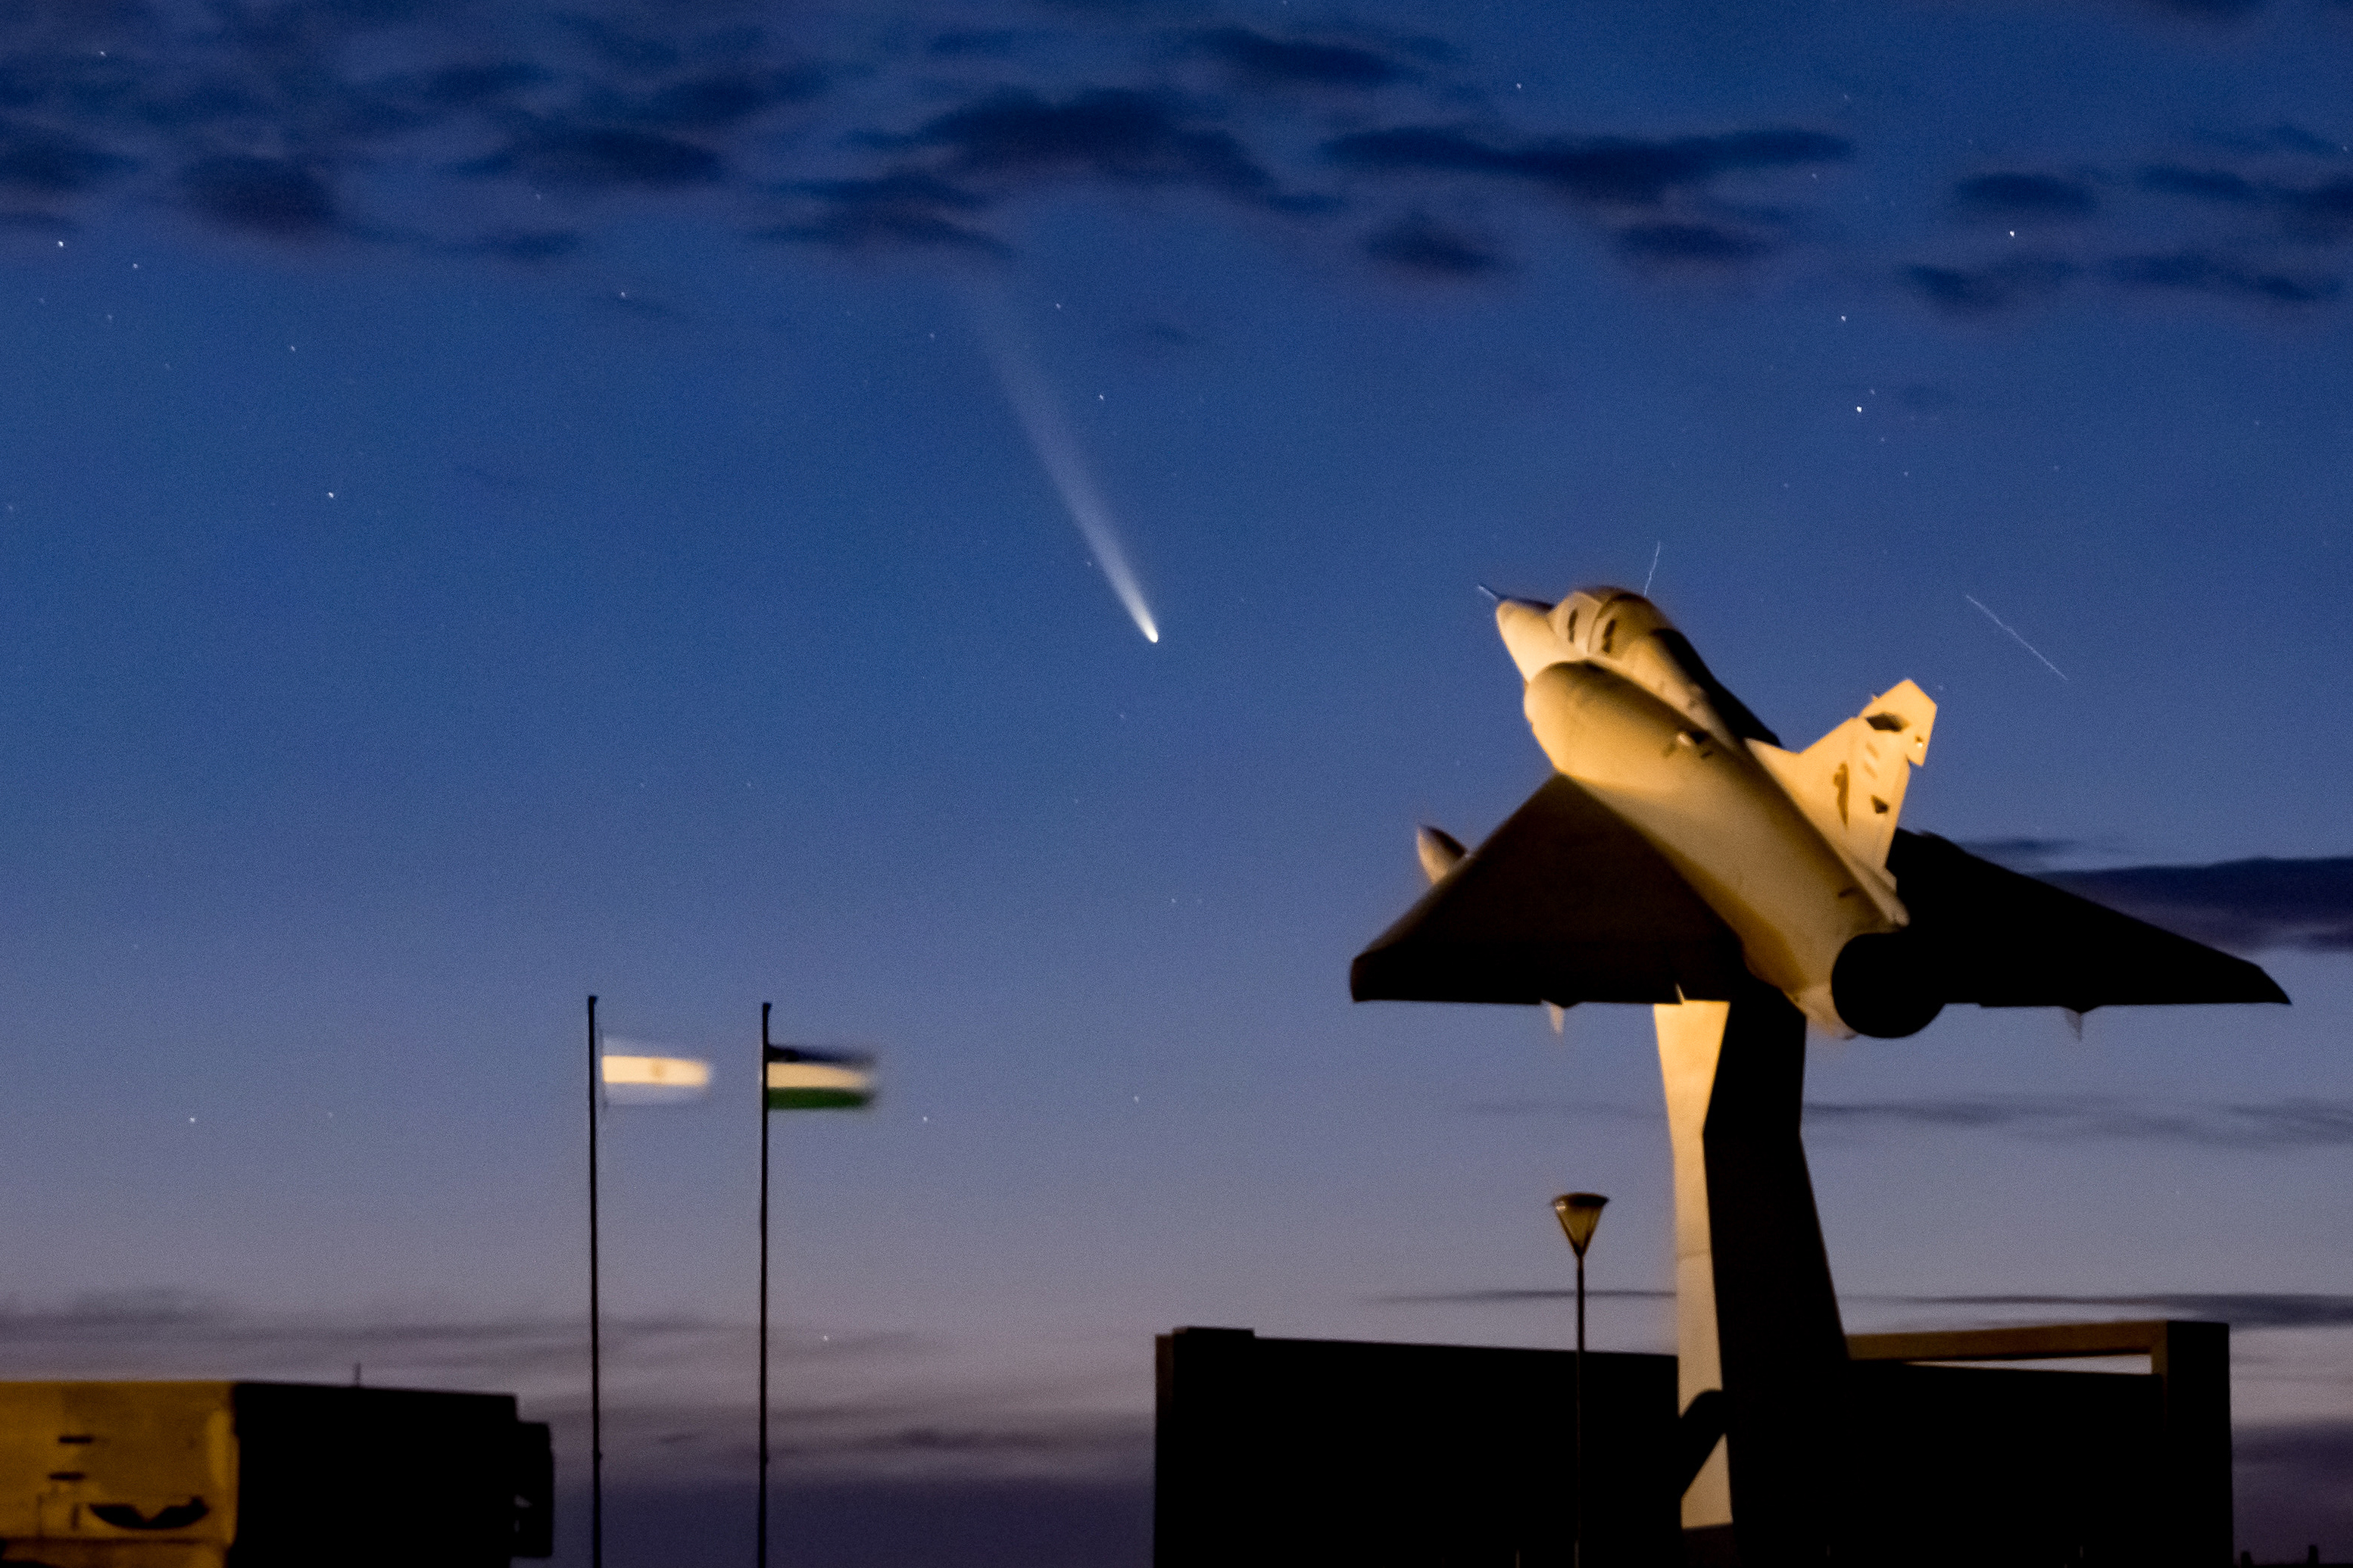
{"type": "Point", "coordinates": [363, 1475]}
{"type": "Point", "coordinates": [1313, 1451]}
{"type": "Point", "coordinates": [1952, 1466]}
{"type": "Point", "coordinates": [1310, 1451]}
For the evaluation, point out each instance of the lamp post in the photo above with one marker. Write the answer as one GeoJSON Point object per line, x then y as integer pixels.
{"type": "Point", "coordinates": [1578, 1213]}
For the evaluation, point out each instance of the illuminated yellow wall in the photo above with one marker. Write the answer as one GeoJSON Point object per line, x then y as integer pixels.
{"type": "Point", "coordinates": [93, 1474]}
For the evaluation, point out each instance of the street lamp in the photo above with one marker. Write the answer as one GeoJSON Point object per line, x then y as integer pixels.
{"type": "Point", "coordinates": [1579, 1214]}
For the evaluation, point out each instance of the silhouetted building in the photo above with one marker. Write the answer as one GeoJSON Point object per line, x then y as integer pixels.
{"type": "Point", "coordinates": [1321, 1451]}
{"type": "Point", "coordinates": [1313, 1451]}
{"type": "Point", "coordinates": [269, 1475]}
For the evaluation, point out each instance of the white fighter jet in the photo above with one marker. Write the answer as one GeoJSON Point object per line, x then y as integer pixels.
{"type": "Point", "coordinates": [1678, 856]}
{"type": "Point", "coordinates": [1678, 849]}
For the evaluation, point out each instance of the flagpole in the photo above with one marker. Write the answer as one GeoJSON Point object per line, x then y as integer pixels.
{"type": "Point", "coordinates": [596, 1330]}
{"type": "Point", "coordinates": [760, 1553]}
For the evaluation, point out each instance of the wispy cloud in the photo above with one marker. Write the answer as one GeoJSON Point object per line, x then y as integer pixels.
{"type": "Point", "coordinates": [2257, 220]}
{"type": "Point", "coordinates": [1503, 1296]}
{"type": "Point", "coordinates": [1416, 244]}
{"type": "Point", "coordinates": [2246, 906]}
{"type": "Point", "coordinates": [677, 1388]}
{"type": "Point", "coordinates": [2239, 1309]}
{"type": "Point", "coordinates": [2024, 199]}
{"type": "Point", "coordinates": [1997, 286]}
{"type": "Point", "coordinates": [1613, 171]}
{"type": "Point", "coordinates": [2285, 1124]}
{"type": "Point", "coordinates": [2026, 854]}
{"type": "Point", "coordinates": [520, 136]}
{"type": "Point", "coordinates": [120, 1332]}
{"type": "Point", "coordinates": [2196, 272]}
{"type": "Point", "coordinates": [1264, 59]}
{"type": "Point", "coordinates": [2278, 1125]}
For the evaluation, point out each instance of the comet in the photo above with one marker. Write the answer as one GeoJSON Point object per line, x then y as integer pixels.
{"type": "Point", "coordinates": [1060, 454]}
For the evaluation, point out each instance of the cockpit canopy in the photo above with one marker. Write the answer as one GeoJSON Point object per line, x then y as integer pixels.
{"type": "Point", "coordinates": [1622, 627]}
{"type": "Point", "coordinates": [1606, 621]}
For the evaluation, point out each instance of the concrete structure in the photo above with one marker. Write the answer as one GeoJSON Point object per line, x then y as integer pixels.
{"type": "Point", "coordinates": [267, 1475]}
{"type": "Point", "coordinates": [1678, 857]}
{"type": "Point", "coordinates": [1281, 1452]}
{"type": "Point", "coordinates": [1278, 1452]}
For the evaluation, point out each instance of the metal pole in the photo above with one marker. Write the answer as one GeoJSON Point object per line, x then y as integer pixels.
{"type": "Point", "coordinates": [760, 1552]}
{"type": "Point", "coordinates": [1576, 1548]}
{"type": "Point", "coordinates": [596, 1329]}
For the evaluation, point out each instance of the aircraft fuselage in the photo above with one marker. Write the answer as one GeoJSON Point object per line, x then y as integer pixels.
{"type": "Point", "coordinates": [1622, 707]}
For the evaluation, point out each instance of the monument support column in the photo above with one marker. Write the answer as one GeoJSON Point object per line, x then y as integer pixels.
{"type": "Point", "coordinates": [1756, 1312]}
{"type": "Point", "coordinates": [1691, 1036]}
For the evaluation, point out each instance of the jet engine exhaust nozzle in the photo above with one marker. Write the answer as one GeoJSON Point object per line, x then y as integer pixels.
{"type": "Point", "coordinates": [1884, 984]}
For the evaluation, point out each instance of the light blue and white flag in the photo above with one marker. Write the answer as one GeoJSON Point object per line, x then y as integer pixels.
{"type": "Point", "coordinates": [632, 1078]}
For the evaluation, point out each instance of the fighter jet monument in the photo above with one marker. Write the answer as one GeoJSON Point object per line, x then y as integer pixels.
{"type": "Point", "coordinates": [1679, 856]}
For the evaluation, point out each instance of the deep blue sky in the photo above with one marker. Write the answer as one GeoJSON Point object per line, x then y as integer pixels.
{"type": "Point", "coordinates": [502, 504]}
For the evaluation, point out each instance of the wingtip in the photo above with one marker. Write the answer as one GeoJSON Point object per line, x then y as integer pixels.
{"type": "Point", "coordinates": [1490, 595]}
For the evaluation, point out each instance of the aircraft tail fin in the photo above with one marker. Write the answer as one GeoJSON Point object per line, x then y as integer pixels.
{"type": "Point", "coordinates": [1851, 782]}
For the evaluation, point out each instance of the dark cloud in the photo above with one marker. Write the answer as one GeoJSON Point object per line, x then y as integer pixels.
{"type": "Point", "coordinates": [1293, 63]}
{"type": "Point", "coordinates": [1977, 291]}
{"type": "Point", "coordinates": [289, 120]}
{"type": "Point", "coordinates": [39, 222]}
{"type": "Point", "coordinates": [2238, 222]}
{"type": "Point", "coordinates": [2200, 185]}
{"type": "Point", "coordinates": [2326, 209]}
{"type": "Point", "coordinates": [2241, 1309]}
{"type": "Point", "coordinates": [2196, 272]}
{"type": "Point", "coordinates": [540, 245]}
{"type": "Point", "coordinates": [1691, 243]}
{"type": "Point", "coordinates": [1420, 247]}
{"type": "Point", "coordinates": [2024, 854]}
{"type": "Point", "coordinates": [164, 1333]}
{"type": "Point", "coordinates": [2209, 10]}
{"type": "Point", "coordinates": [468, 86]}
{"type": "Point", "coordinates": [1503, 1296]}
{"type": "Point", "coordinates": [2282, 1124]}
{"type": "Point", "coordinates": [44, 162]}
{"type": "Point", "coordinates": [717, 99]}
{"type": "Point", "coordinates": [2296, 139]}
{"type": "Point", "coordinates": [605, 157]}
{"type": "Point", "coordinates": [1581, 1108]}
{"type": "Point", "coordinates": [1116, 134]}
{"type": "Point", "coordinates": [1611, 170]}
{"type": "Point", "coordinates": [460, 128]}
{"type": "Point", "coordinates": [261, 195]}
{"type": "Point", "coordinates": [2315, 212]}
{"type": "Point", "coordinates": [2020, 197]}
{"type": "Point", "coordinates": [623, 48]}
{"type": "Point", "coordinates": [2245, 906]}
{"type": "Point", "coordinates": [904, 210]}
{"type": "Point", "coordinates": [966, 42]}
{"type": "Point", "coordinates": [1078, 1438]}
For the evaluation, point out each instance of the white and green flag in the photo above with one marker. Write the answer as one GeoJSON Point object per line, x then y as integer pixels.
{"type": "Point", "coordinates": [800, 1079]}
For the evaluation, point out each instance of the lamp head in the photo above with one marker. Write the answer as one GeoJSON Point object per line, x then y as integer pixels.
{"type": "Point", "coordinates": [1578, 1213]}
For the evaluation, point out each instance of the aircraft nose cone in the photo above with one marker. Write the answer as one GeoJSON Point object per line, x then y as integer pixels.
{"type": "Point", "coordinates": [1527, 632]}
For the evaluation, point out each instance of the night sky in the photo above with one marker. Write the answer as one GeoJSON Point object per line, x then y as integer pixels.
{"type": "Point", "coordinates": [505, 502]}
